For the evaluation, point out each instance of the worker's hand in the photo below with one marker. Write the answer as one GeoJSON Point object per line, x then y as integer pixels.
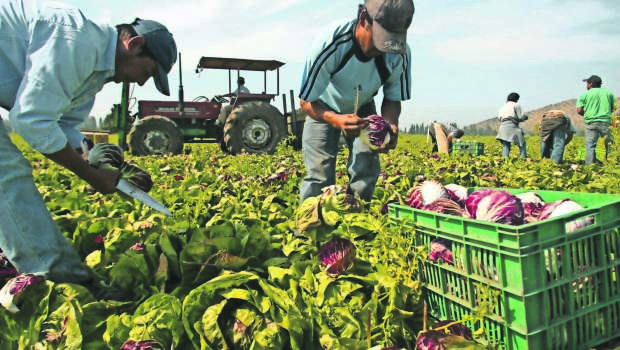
{"type": "Point", "coordinates": [104, 180]}
{"type": "Point", "coordinates": [393, 140]}
{"type": "Point", "coordinates": [350, 124]}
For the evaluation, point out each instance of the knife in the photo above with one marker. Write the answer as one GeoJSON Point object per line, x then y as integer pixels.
{"type": "Point", "coordinates": [144, 198]}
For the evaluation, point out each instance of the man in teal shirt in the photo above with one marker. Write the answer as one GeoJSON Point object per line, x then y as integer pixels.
{"type": "Point", "coordinates": [596, 106]}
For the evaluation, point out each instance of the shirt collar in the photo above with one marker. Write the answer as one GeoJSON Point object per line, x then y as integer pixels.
{"type": "Point", "coordinates": [106, 63]}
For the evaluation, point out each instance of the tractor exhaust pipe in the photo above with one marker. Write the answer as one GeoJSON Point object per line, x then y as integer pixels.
{"type": "Point", "coordinates": [181, 94]}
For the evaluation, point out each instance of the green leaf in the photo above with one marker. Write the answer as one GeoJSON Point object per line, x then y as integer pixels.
{"type": "Point", "coordinates": [117, 330]}
{"type": "Point", "coordinates": [161, 275]}
{"type": "Point", "coordinates": [278, 297]}
{"type": "Point", "coordinates": [335, 291]}
{"type": "Point", "coordinates": [230, 280]}
{"type": "Point", "coordinates": [131, 272]}
{"type": "Point", "coordinates": [194, 306]}
{"type": "Point", "coordinates": [268, 337]}
{"type": "Point", "coordinates": [93, 259]}
{"type": "Point", "coordinates": [158, 318]}
{"type": "Point", "coordinates": [170, 252]}
{"type": "Point", "coordinates": [210, 329]}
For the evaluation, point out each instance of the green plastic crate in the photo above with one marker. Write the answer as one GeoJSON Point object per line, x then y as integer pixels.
{"type": "Point", "coordinates": [558, 288]}
{"type": "Point", "coordinates": [471, 147]}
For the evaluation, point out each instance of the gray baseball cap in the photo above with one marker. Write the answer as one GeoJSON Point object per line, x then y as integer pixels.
{"type": "Point", "coordinates": [160, 43]}
{"type": "Point", "coordinates": [391, 19]}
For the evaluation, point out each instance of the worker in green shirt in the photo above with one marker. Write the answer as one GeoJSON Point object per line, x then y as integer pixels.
{"type": "Point", "coordinates": [596, 106]}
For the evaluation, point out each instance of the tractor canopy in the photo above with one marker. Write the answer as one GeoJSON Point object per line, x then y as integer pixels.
{"type": "Point", "coordinates": [242, 64]}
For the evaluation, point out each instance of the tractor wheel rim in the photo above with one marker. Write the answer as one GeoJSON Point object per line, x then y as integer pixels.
{"type": "Point", "coordinates": [157, 141]}
{"type": "Point", "coordinates": [256, 133]}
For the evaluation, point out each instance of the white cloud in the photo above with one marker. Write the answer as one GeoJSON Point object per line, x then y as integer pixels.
{"type": "Point", "coordinates": [518, 32]}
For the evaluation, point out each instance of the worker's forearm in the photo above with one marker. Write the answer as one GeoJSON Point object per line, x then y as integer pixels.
{"type": "Point", "coordinates": [390, 110]}
{"type": "Point", "coordinates": [319, 111]}
{"type": "Point", "coordinates": [103, 180]}
{"type": "Point", "coordinates": [70, 159]}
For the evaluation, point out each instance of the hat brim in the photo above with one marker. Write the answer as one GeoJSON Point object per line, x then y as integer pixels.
{"type": "Point", "coordinates": [387, 41]}
{"type": "Point", "coordinates": [161, 80]}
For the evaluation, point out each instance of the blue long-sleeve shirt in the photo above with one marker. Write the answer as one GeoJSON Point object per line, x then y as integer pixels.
{"type": "Point", "coordinates": [53, 60]}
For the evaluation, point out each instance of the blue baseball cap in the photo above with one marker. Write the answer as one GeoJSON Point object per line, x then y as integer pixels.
{"type": "Point", "coordinates": [161, 45]}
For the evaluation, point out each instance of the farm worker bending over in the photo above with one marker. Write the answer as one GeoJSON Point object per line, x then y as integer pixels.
{"type": "Point", "coordinates": [346, 68]}
{"type": "Point", "coordinates": [556, 131]}
{"type": "Point", "coordinates": [596, 106]}
{"type": "Point", "coordinates": [509, 132]}
{"type": "Point", "coordinates": [53, 62]}
{"type": "Point", "coordinates": [442, 138]}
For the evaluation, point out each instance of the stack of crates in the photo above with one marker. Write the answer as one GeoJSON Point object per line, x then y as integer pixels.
{"type": "Point", "coordinates": [558, 285]}
{"type": "Point", "coordinates": [470, 147]}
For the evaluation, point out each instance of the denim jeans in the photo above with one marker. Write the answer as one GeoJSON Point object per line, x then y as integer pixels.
{"type": "Point", "coordinates": [592, 134]}
{"type": "Point", "coordinates": [28, 235]}
{"type": "Point", "coordinates": [320, 146]}
{"type": "Point", "coordinates": [553, 147]}
{"type": "Point", "coordinates": [506, 149]}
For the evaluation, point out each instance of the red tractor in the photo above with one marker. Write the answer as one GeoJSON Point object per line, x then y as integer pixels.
{"type": "Point", "coordinates": [252, 124]}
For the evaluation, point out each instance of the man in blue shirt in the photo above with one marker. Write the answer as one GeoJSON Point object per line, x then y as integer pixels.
{"type": "Point", "coordinates": [347, 67]}
{"type": "Point", "coordinates": [54, 60]}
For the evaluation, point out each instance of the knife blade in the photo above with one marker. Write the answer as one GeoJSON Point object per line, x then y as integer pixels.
{"type": "Point", "coordinates": [144, 198]}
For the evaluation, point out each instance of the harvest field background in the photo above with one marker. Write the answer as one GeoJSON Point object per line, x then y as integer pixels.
{"type": "Point", "coordinates": [228, 271]}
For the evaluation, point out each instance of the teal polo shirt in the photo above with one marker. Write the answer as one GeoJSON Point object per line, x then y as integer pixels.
{"type": "Point", "coordinates": [336, 71]}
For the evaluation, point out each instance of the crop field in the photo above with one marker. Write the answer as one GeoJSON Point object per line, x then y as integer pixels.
{"type": "Point", "coordinates": [229, 270]}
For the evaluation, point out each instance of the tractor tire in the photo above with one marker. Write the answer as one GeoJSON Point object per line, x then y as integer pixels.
{"type": "Point", "coordinates": [155, 135]}
{"type": "Point", "coordinates": [254, 127]}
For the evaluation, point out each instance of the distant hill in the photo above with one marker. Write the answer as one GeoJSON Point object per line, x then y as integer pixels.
{"type": "Point", "coordinates": [535, 116]}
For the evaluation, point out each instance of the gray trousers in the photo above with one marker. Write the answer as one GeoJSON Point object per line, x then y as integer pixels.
{"type": "Point", "coordinates": [28, 235]}
{"type": "Point", "coordinates": [320, 147]}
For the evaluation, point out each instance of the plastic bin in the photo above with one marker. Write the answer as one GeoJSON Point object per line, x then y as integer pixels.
{"type": "Point", "coordinates": [470, 147]}
{"type": "Point", "coordinates": [558, 286]}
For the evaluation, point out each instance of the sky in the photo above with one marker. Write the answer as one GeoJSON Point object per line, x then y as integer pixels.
{"type": "Point", "coordinates": [467, 55]}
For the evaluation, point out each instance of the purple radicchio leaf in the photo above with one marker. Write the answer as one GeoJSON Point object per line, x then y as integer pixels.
{"type": "Point", "coordinates": [457, 193]}
{"type": "Point", "coordinates": [531, 211]}
{"type": "Point", "coordinates": [385, 208]}
{"type": "Point", "coordinates": [280, 175]}
{"type": "Point", "coordinates": [6, 268]}
{"type": "Point", "coordinates": [435, 339]}
{"type": "Point", "coordinates": [430, 340]}
{"type": "Point", "coordinates": [471, 203]}
{"type": "Point", "coordinates": [563, 207]}
{"type": "Point", "coordinates": [495, 206]}
{"type": "Point", "coordinates": [426, 193]}
{"type": "Point", "coordinates": [141, 345]}
{"type": "Point", "coordinates": [559, 208]}
{"type": "Point", "coordinates": [441, 250]}
{"type": "Point", "coordinates": [138, 247]}
{"type": "Point", "coordinates": [337, 255]}
{"type": "Point", "coordinates": [456, 329]}
{"type": "Point", "coordinates": [445, 206]}
{"type": "Point", "coordinates": [530, 197]}
{"type": "Point", "coordinates": [377, 134]}
{"type": "Point", "coordinates": [22, 281]}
